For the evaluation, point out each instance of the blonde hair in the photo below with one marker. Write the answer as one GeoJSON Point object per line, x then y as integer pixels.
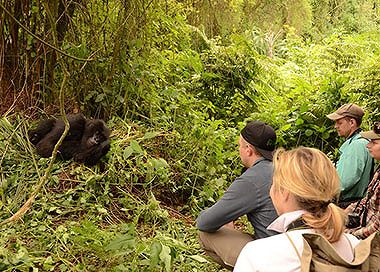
{"type": "Point", "coordinates": [310, 176]}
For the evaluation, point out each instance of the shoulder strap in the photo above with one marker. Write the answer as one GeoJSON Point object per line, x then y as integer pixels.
{"type": "Point", "coordinates": [295, 225]}
{"type": "Point", "coordinates": [294, 246]}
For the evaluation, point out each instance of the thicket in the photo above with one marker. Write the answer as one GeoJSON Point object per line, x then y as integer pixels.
{"type": "Point", "coordinates": [175, 81]}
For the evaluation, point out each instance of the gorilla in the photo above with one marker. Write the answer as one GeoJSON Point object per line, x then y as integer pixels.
{"type": "Point", "coordinates": [86, 142]}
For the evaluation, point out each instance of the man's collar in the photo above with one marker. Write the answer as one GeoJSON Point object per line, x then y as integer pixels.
{"type": "Point", "coordinates": [258, 160]}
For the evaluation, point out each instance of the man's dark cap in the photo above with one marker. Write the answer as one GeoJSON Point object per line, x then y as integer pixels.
{"type": "Point", "coordinates": [262, 136]}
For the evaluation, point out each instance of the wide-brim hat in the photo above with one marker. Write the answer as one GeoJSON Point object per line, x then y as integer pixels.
{"type": "Point", "coordinates": [370, 135]}
{"type": "Point", "coordinates": [347, 110]}
{"type": "Point", "coordinates": [373, 134]}
{"type": "Point", "coordinates": [262, 136]}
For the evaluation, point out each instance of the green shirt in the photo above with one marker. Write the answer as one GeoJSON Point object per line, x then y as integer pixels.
{"type": "Point", "coordinates": [354, 167]}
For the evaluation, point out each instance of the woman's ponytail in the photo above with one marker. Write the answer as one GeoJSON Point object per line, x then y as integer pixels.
{"type": "Point", "coordinates": [328, 222]}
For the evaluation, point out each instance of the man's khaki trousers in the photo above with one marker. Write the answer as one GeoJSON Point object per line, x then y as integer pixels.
{"type": "Point", "coordinates": [224, 245]}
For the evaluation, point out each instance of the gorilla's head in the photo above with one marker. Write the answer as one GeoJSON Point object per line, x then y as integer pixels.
{"type": "Point", "coordinates": [95, 132]}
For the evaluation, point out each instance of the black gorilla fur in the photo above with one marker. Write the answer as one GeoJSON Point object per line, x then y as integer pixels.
{"type": "Point", "coordinates": [86, 142]}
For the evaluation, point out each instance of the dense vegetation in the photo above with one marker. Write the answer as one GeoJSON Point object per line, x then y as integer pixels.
{"type": "Point", "coordinates": [175, 81]}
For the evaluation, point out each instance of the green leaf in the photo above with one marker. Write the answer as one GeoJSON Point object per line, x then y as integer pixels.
{"type": "Point", "coordinates": [199, 258]}
{"type": "Point", "coordinates": [165, 257]}
{"type": "Point", "coordinates": [219, 182]}
{"type": "Point", "coordinates": [124, 242]}
{"type": "Point", "coordinates": [48, 263]}
{"type": "Point", "coordinates": [150, 135]}
{"type": "Point", "coordinates": [155, 254]}
{"type": "Point", "coordinates": [159, 163]}
{"type": "Point", "coordinates": [136, 147]}
{"type": "Point", "coordinates": [299, 121]}
{"type": "Point", "coordinates": [309, 132]}
{"type": "Point", "coordinates": [325, 135]}
{"type": "Point", "coordinates": [286, 127]}
{"type": "Point", "coordinates": [127, 152]}
{"type": "Point", "coordinates": [100, 98]}
{"type": "Point", "coordinates": [304, 108]}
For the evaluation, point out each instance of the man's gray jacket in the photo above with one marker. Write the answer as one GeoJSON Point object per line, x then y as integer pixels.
{"type": "Point", "coordinates": [248, 194]}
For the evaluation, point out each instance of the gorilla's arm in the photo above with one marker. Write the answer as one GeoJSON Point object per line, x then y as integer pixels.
{"type": "Point", "coordinates": [92, 155]}
{"type": "Point", "coordinates": [71, 142]}
{"type": "Point", "coordinates": [77, 126]}
{"type": "Point", "coordinates": [43, 128]}
{"type": "Point", "coordinates": [46, 145]}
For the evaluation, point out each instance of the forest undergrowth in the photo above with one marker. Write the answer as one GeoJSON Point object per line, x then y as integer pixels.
{"type": "Point", "coordinates": [175, 82]}
{"type": "Point", "coordinates": [122, 215]}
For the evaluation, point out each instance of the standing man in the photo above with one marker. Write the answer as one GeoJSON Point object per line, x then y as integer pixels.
{"type": "Point", "coordinates": [247, 195]}
{"type": "Point", "coordinates": [355, 165]}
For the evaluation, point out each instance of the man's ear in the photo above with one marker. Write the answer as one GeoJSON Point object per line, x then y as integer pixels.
{"type": "Point", "coordinates": [249, 150]}
{"type": "Point", "coordinates": [252, 150]}
{"type": "Point", "coordinates": [353, 122]}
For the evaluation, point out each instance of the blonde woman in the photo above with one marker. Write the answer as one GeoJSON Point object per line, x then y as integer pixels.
{"type": "Point", "coordinates": [305, 185]}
